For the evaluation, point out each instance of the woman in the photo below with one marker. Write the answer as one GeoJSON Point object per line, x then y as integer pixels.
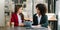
{"type": "Point", "coordinates": [40, 18]}
{"type": "Point", "coordinates": [17, 17]}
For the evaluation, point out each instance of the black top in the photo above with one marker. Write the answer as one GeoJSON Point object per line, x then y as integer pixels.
{"type": "Point", "coordinates": [43, 20]}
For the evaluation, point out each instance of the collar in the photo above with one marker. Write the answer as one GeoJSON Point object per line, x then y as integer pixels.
{"type": "Point", "coordinates": [38, 15]}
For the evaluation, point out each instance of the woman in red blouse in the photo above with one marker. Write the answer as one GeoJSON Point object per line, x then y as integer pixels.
{"type": "Point", "coordinates": [17, 17]}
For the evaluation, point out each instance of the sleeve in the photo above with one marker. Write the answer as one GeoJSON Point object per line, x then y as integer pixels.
{"type": "Point", "coordinates": [34, 23]}
{"type": "Point", "coordinates": [12, 18]}
{"type": "Point", "coordinates": [33, 20]}
{"type": "Point", "coordinates": [46, 22]}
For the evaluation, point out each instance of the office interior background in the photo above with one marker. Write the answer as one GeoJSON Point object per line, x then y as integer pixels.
{"type": "Point", "coordinates": [53, 10]}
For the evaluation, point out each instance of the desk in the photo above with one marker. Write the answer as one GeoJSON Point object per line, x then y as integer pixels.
{"type": "Point", "coordinates": [52, 20]}
{"type": "Point", "coordinates": [53, 23]}
{"type": "Point", "coordinates": [24, 28]}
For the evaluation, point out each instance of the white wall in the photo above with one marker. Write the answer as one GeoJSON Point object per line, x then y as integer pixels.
{"type": "Point", "coordinates": [2, 20]}
{"type": "Point", "coordinates": [28, 10]}
{"type": "Point", "coordinates": [58, 12]}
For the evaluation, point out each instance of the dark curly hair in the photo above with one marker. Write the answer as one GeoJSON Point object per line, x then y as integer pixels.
{"type": "Point", "coordinates": [42, 8]}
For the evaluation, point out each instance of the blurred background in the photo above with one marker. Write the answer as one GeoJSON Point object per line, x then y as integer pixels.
{"type": "Point", "coordinates": [53, 11]}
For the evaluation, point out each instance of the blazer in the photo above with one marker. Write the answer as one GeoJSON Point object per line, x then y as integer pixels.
{"type": "Point", "coordinates": [14, 18]}
{"type": "Point", "coordinates": [43, 20]}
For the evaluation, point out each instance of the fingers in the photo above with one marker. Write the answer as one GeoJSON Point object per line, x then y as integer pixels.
{"type": "Point", "coordinates": [21, 24]}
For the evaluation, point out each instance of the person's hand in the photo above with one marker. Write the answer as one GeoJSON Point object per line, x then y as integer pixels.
{"type": "Point", "coordinates": [30, 19]}
{"type": "Point", "coordinates": [21, 24]}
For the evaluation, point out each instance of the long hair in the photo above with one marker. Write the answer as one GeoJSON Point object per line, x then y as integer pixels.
{"type": "Point", "coordinates": [16, 9]}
